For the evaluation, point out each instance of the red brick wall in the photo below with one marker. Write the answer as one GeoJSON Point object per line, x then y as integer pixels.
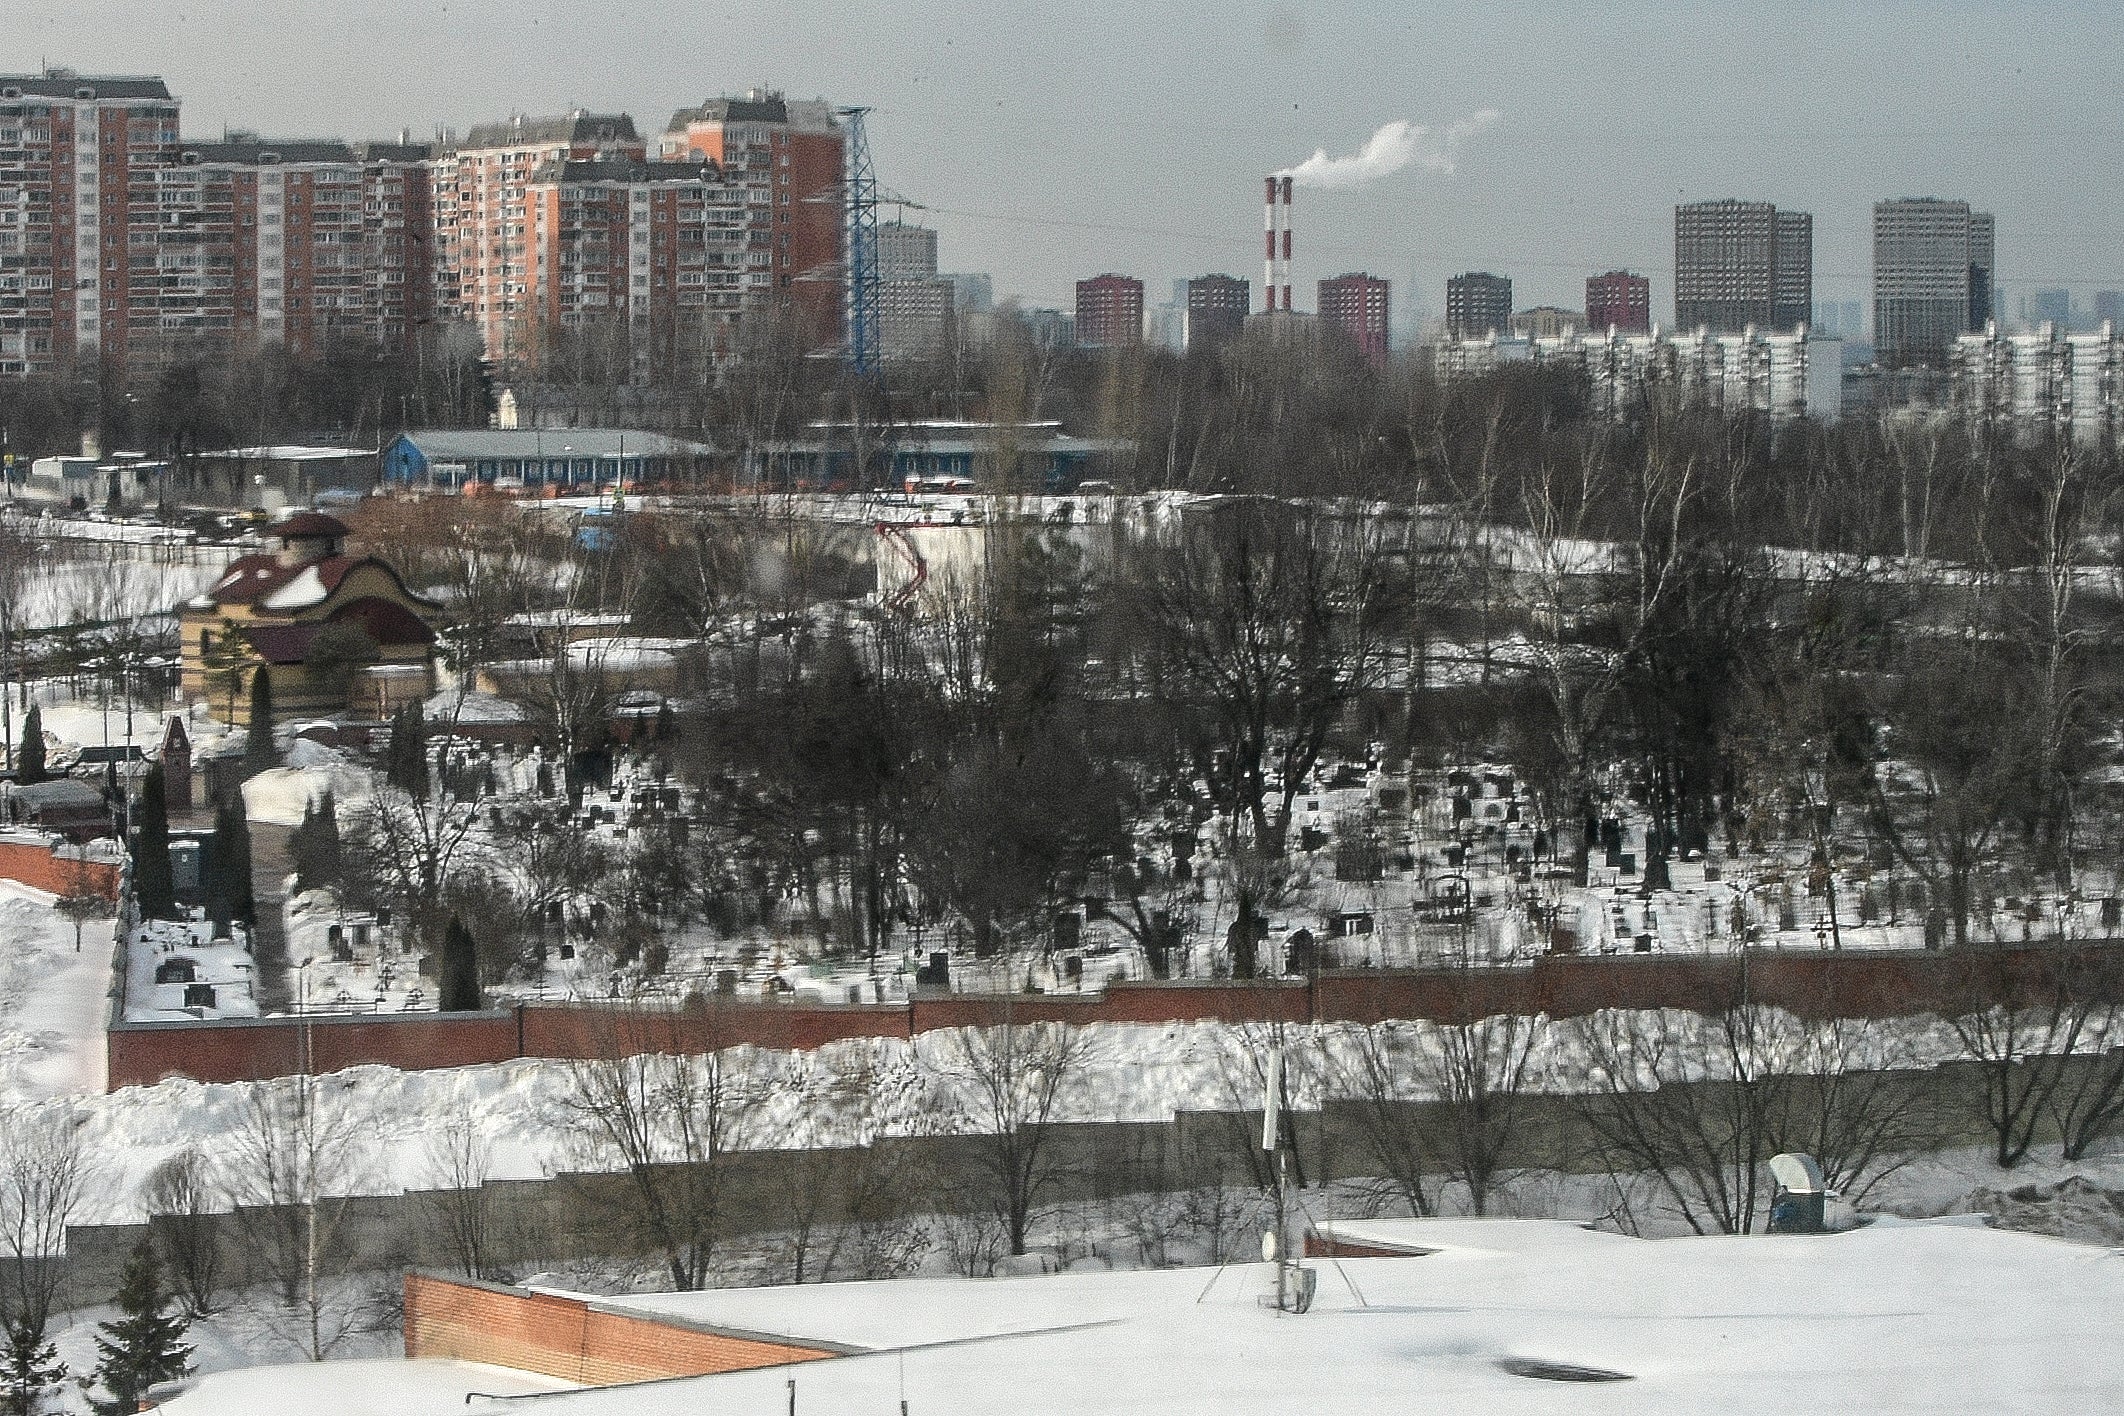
{"type": "Point", "coordinates": [570, 1339]}
{"type": "Point", "coordinates": [245, 1049]}
{"type": "Point", "coordinates": [1811, 984]}
{"type": "Point", "coordinates": [564, 1030]}
{"type": "Point", "coordinates": [38, 868]}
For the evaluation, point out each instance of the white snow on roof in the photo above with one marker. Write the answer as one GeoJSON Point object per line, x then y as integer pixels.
{"type": "Point", "coordinates": [288, 452]}
{"type": "Point", "coordinates": [1910, 1317]}
{"type": "Point", "coordinates": [367, 1388]}
{"type": "Point", "coordinates": [306, 589]}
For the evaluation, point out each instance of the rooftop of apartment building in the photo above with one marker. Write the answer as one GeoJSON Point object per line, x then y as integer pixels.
{"type": "Point", "coordinates": [576, 126]}
{"type": "Point", "coordinates": [66, 83]}
{"type": "Point", "coordinates": [248, 149]}
{"type": "Point", "coordinates": [757, 106]}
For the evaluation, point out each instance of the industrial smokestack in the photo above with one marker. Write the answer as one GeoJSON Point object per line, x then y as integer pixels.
{"type": "Point", "coordinates": [1286, 242]}
{"type": "Point", "coordinates": [1268, 259]}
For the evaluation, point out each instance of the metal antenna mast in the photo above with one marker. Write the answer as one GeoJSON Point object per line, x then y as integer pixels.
{"type": "Point", "coordinates": [861, 239]}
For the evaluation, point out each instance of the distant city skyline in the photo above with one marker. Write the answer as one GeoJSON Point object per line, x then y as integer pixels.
{"type": "Point", "coordinates": [982, 117]}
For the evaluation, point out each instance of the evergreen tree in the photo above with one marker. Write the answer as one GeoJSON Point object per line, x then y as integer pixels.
{"type": "Point", "coordinates": [259, 753]}
{"type": "Point", "coordinates": [315, 846]}
{"type": "Point", "coordinates": [143, 1346]}
{"type": "Point", "coordinates": [29, 1367]}
{"type": "Point", "coordinates": [228, 874]}
{"type": "Point", "coordinates": [153, 886]}
{"type": "Point", "coordinates": [459, 970]}
{"type": "Point", "coordinates": [29, 761]}
{"type": "Point", "coordinates": [407, 765]}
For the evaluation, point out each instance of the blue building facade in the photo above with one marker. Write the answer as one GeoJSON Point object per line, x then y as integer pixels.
{"type": "Point", "coordinates": [538, 459]}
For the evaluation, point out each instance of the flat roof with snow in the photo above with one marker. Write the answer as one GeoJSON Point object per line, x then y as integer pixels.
{"type": "Point", "coordinates": [1497, 1316]}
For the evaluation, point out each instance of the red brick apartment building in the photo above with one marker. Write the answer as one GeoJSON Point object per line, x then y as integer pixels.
{"type": "Point", "coordinates": [1620, 300]}
{"type": "Point", "coordinates": [78, 161]}
{"type": "Point", "coordinates": [294, 242]}
{"type": "Point", "coordinates": [482, 228]}
{"type": "Point", "coordinates": [1356, 304]}
{"type": "Point", "coordinates": [790, 152]}
{"type": "Point", "coordinates": [1109, 310]}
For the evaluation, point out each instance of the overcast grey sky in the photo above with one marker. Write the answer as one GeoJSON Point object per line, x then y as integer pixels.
{"type": "Point", "coordinates": [1053, 142]}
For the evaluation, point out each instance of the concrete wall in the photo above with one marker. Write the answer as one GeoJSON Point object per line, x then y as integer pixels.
{"type": "Point", "coordinates": [1812, 984]}
{"type": "Point", "coordinates": [572, 1216]}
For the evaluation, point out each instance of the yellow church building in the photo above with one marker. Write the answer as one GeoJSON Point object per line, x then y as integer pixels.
{"type": "Point", "coordinates": [332, 632]}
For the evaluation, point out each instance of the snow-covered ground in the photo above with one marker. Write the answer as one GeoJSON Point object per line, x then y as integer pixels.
{"type": "Point", "coordinates": [1128, 1072]}
{"type": "Point", "coordinates": [52, 999]}
{"type": "Point", "coordinates": [177, 971]}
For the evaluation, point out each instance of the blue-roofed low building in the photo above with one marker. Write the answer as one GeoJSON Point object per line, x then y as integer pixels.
{"type": "Point", "coordinates": [541, 460]}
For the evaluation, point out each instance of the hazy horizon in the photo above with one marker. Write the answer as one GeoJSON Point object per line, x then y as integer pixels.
{"type": "Point", "coordinates": [1133, 138]}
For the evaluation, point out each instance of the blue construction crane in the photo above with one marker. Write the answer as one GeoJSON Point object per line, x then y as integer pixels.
{"type": "Point", "coordinates": [861, 245]}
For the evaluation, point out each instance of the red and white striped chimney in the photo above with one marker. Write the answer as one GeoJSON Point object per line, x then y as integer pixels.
{"type": "Point", "coordinates": [1286, 241]}
{"type": "Point", "coordinates": [1268, 261]}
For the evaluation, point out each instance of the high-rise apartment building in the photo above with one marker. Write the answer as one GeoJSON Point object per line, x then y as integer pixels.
{"type": "Point", "coordinates": [483, 260]}
{"type": "Point", "coordinates": [658, 248]}
{"type": "Point", "coordinates": [1217, 307]}
{"type": "Point", "coordinates": [1109, 310]}
{"type": "Point", "coordinates": [78, 158]}
{"type": "Point", "coordinates": [116, 237]}
{"type": "Point", "coordinates": [1932, 265]}
{"type": "Point", "coordinates": [1619, 300]}
{"type": "Point", "coordinates": [2051, 307]}
{"type": "Point", "coordinates": [1478, 303]}
{"type": "Point", "coordinates": [916, 306]}
{"type": "Point", "coordinates": [972, 292]}
{"type": "Point", "coordinates": [906, 252]}
{"type": "Point", "coordinates": [1741, 265]}
{"type": "Point", "coordinates": [292, 242]}
{"type": "Point", "coordinates": [2109, 309]}
{"type": "Point", "coordinates": [1356, 304]}
{"type": "Point", "coordinates": [794, 149]}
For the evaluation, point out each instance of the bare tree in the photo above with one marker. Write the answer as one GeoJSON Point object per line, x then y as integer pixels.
{"type": "Point", "coordinates": [2027, 1028]}
{"type": "Point", "coordinates": [44, 1177]}
{"type": "Point", "coordinates": [1377, 1068]}
{"type": "Point", "coordinates": [1697, 1103]}
{"type": "Point", "coordinates": [1479, 1070]}
{"type": "Point", "coordinates": [1004, 1085]}
{"type": "Point", "coordinates": [1680, 1098]}
{"type": "Point", "coordinates": [461, 1160]}
{"type": "Point", "coordinates": [183, 1199]}
{"type": "Point", "coordinates": [1270, 621]}
{"type": "Point", "coordinates": [843, 1208]}
{"type": "Point", "coordinates": [295, 1157]}
{"type": "Point", "coordinates": [84, 899]}
{"type": "Point", "coordinates": [670, 1121]}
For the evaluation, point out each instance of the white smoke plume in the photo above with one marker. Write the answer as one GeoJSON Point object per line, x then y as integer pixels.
{"type": "Point", "coordinates": [1396, 145]}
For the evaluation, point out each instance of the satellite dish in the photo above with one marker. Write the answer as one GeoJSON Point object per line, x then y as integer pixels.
{"type": "Point", "coordinates": [1268, 1246]}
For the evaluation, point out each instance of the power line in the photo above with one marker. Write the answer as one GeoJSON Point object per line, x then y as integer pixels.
{"type": "Point", "coordinates": [1450, 257]}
